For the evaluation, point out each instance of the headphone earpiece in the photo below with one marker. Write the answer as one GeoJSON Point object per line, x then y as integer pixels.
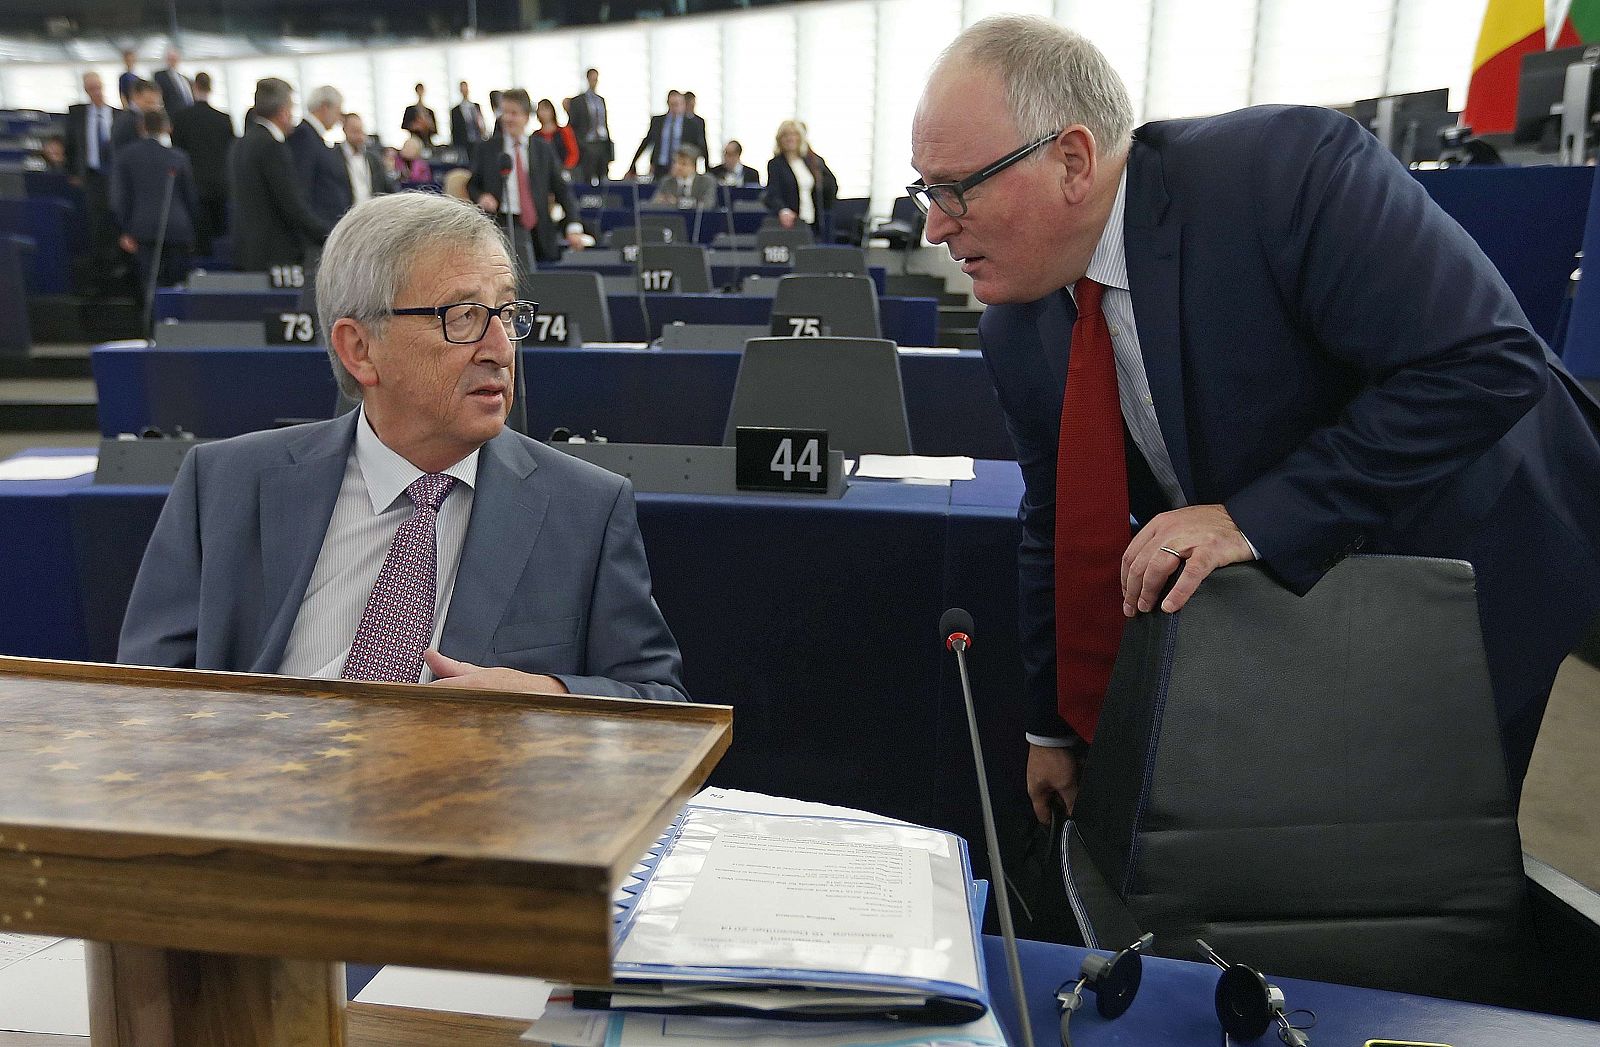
{"type": "Point", "coordinates": [1247, 1004]}
{"type": "Point", "coordinates": [1114, 980]}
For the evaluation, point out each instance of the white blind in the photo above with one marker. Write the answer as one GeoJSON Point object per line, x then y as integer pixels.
{"type": "Point", "coordinates": [1313, 51]}
{"type": "Point", "coordinates": [396, 72]}
{"type": "Point", "coordinates": [1433, 45]}
{"type": "Point", "coordinates": [1122, 32]}
{"type": "Point", "coordinates": [976, 10]}
{"type": "Point", "coordinates": [911, 33]}
{"type": "Point", "coordinates": [485, 66]}
{"type": "Point", "coordinates": [838, 70]}
{"type": "Point", "coordinates": [686, 55]}
{"type": "Point", "coordinates": [242, 74]}
{"type": "Point", "coordinates": [546, 66]}
{"type": "Point", "coordinates": [759, 69]}
{"type": "Point", "coordinates": [50, 87]}
{"type": "Point", "coordinates": [334, 70]}
{"type": "Point", "coordinates": [1200, 57]}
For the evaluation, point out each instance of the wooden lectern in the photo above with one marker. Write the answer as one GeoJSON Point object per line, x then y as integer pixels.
{"type": "Point", "coordinates": [226, 839]}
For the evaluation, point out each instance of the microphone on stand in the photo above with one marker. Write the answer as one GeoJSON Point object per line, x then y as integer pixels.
{"type": "Point", "coordinates": [733, 238]}
{"type": "Point", "coordinates": [155, 257]}
{"type": "Point", "coordinates": [505, 212]}
{"type": "Point", "coordinates": [955, 628]}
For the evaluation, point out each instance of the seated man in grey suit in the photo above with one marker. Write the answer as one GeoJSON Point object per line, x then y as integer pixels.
{"type": "Point", "coordinates": [682, 187]}
{"type": "Point", "coordinates": [417, 537]}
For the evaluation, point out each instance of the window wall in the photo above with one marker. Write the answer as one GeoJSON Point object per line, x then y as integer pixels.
{"type": "Point", "coordinates": [851, 69]}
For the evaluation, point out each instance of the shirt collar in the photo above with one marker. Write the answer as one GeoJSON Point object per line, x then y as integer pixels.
{"type": "Point", "coordinates": [272, 128]}
{"type": "Point", "coordinates": [387, 475]}
{"type": "Point", "coordinates": [1108, 267]}
{"type": "Point", "coordinates": [317, 126]}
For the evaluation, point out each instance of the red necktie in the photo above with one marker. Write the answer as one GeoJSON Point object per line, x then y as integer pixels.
{"type": "Point", "coordinates": [529, 217]}
{"type": "Point", "coordinates": [1091, 519]}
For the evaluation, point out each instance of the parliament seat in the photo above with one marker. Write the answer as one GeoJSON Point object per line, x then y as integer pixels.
{"type": "Point", "coordinates": [847, 305]}
{"type": "Point", "coordinates": [848, 386]}
{"type": "Point", "coordinates": [580, 295]}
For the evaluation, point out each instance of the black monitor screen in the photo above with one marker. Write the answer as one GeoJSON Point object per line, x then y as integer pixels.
{"type": "Point", "coordinates": [1540, 86]}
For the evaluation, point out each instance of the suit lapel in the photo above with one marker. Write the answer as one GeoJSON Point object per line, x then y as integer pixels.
{"type": "Point", "coordinates": [1152, 238]}
{"type": "Point", "coordinates": [508, 512]}
{"type": "Point", "coordinates": [297, 502]}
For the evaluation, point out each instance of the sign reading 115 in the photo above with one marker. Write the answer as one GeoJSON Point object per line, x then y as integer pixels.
{"type": "Point", "coordinates": [809, 461]}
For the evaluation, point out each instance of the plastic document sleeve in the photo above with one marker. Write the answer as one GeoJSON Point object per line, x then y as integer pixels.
{"type": "Point", "coordinates": [749, 913]}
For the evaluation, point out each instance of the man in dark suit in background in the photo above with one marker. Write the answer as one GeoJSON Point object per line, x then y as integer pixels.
{"type": "Point", "coordinates": [525, 196]}
{"type": "Point", "coordinates": [143, 96]}
{"type": "Point", "coordinates": [90, 156]}
{"type": "Point", "coordinates": [466, 122]}
{"type": "Point", "coordinates": [177, 91]}
{"type": "Point", "coordinates": [592, 126]}
{"type": "Point", "coordinates": [419, 119]}
{"type": "Point", "coordinates": [139, 191]}
{"type": "Point", "coordinates": [668, 131]}
{"type": "Point", "coordinates": [206, 134]}
{"type": "Point", "coordinates": [1309, 356]}
{"type": "Point", "coordinates": [318, 164]}
{"type": "Point", "coordinates": [272, 225]}
{"type": "Point", "coordinates": [732, 170]}
{"type": "Point", "coordinates": [369, 175]}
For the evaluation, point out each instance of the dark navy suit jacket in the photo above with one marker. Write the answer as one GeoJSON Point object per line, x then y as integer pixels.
{"type": "Point", "coordinates": [553, 577]}
{"type": "Point", "coordinates": [324, 176]}
{"type": "Point", "coordinates": [1335, 360]}
{"type": "Point", "coordinates": [139, 185]}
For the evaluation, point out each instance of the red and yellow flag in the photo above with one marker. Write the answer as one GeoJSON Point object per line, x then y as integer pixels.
{"type": "Point", "coordinates": [1511, 29]}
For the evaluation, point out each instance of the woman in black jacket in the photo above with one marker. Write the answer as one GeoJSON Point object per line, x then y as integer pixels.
{"type": "Point", "coordinates": [800, 187]}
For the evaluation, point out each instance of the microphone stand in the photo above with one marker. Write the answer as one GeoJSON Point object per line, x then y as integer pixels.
{"type": "Point", "coordinates": [638, 266]}
{"type": "Point", "coordinates": [959, 642]}
{"type": "Point", "coordinates": [520, 414]}
{"type": "Point", "coordinates": [155, 258]}
{"type": "Point", "coordinates": [733, 238]}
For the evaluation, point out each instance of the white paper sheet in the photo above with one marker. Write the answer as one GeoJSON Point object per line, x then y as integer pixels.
{"type": "Point", "coordinates": [17, 947]}
{"type": "Point", "coordinates": [851, 894]}
{"type": "Point", "coordinates": [47, 992]}
{"type": "Point", "coordinates": [761, 803]}
{"type": "Point", "coordinates": [655, 1030]}
{"type": "Point", "coordinates": [562, 1026]}
{"type": "Point", "coordinates": [914, 467]}
{"type": "Point", "coordinates": [495, 995]}
{"type": "Point", "coordinates": [928, 350]}
{"type": "Point", "coordinates": [47, 467]}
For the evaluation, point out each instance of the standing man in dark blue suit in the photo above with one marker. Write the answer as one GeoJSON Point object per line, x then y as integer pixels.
{"type": "Point", "coordinates": [1257, 336]}
{"type": "Point", "coordinates": [318, 164]}
{"type": "Point", "coordinates": [139, 193]}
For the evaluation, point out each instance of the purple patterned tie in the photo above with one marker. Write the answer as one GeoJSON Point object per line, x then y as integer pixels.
{"type": "Point", "coordinates": [397, 625]}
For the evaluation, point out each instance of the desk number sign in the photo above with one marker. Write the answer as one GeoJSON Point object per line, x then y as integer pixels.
{"type": "Point", "coordinates": [775, 254]}
{"type": "Point", "coordinates": [294, 328]}
{"type": "Point", "coordinates": [785, 325]}
{"type": "Point", "coordinates": [656, 279]}
{"type": "Point", "coordinates": [549, 329]}
{"type": "Point", "coordinates": [287, 276]}
{"type": "Point", "coordinates": [781, 459]}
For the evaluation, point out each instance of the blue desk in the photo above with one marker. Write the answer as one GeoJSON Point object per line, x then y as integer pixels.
{"type": "Point", "coordinates": [57, 235]}
{"type": "Point", "coordinates": [816, 620]}
{"type": "Point", "coordinates": [627, 395]}
{"type": "Point", "coordinates": [1174, 1009]}
{"type": "Point", "coordinates": [908, 321]}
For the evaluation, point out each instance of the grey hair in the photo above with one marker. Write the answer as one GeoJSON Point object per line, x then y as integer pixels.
{"type": "Point", "coordinates": [368, 258]}
{"type": "Point", "coordinates": [272, 97]}
{"type": "Point", "coordinates": [325, 95]}
{"type": "Point", "coordinates": [1053, 77]}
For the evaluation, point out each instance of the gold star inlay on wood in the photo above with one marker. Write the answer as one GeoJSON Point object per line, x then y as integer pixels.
{"type": "Point", "coordinates": [351, 737]}
{"type": "Point", "coordinates": [72, 736]}
{"type": "Point", "coordinates": [134, 722]}
{"type": "Point", "coordinates": [117, 776]}
{"type": "Point", "coordinates": [64, 765]}
{"type": "Point", "coordinates": [335, 725]}
{"type": "Point", "coordinates": [290, 767]}
{"type": "Point", "coordinates": [49, 750]}
{"type": "Point", "coordinates": [273, 716]}
{"type": "Point", "coordinates": [334, 754]}
{"type": "Point", "coordinates": [201, 714]}
{"type": "Point", "coordinates": [209, 776]}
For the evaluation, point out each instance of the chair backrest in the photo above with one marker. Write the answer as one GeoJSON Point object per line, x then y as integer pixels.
{"type": "Point", "coordinates": [672, 228]}
{"type": "Point", "coordinates": [777, 246]}
{"type": "Point", "coordinates": [709, 336]}
{"type": "Point", "coordinates": [688, 264]}
{"type": "Point", "coordinates": [759, 286]}
{"type": "Point", "coordinates": [1313, 784]}
{"type": "Point", "coordinates": [848, 386]}
{"type": "Point", "coordinates": [849, 216]}
{"type": "Point", "coordinates": [580, 295]}
{"type": "Point", "coordinates": [228, 281]}
{"type": "Point", "coordinates": [831, 260]}
{"type": "Point", "coordinates": [904, 209]}
{"type": "Point", "coordinates": [847, 305]}
{"type": "Point", "coordinates": [208, 334]}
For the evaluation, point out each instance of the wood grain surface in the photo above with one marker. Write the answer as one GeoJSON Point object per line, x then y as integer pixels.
{"type": "Point", "coordinates": [380, 823]}
{"type": "Point", "coordinates": [370, 1025]}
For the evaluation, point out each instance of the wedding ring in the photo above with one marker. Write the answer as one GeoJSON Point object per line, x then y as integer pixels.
{"type": "Point", "coordinates": [1174, 552]}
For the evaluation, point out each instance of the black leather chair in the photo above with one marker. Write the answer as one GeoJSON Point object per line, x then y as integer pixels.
{"type": "Point", "coordinates": [1315, 786]}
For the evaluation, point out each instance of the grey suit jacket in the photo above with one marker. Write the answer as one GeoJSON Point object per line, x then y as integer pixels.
{"type": "Point", "coordinates": [553, 577]}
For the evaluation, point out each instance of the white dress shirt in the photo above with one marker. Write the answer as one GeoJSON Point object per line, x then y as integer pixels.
{"type": "Point", "coordinates": [99, 116]}
{"type": "Point", "coordinates": [514, 148]}
{"type": "Point", "coordinates": [372, 505]}
{"type": "Point", "coordinates": [360, 174]}
{"type": "Point", "coordinates": [807, 182]}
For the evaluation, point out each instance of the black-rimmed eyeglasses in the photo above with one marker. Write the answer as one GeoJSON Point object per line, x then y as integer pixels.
{"type": "Point", "coordinates": [467, 322]}
{"type": "Point", "coordinates": [952, 196]}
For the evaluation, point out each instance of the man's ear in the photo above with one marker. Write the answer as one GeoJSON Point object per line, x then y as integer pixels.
{"type": "Point", "coordinates": [352, 344]}
{"type": "Point", "coordinates": [1078, 156]}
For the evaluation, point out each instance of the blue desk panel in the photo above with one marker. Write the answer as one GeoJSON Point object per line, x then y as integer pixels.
{"type": "Point", "coordinates": [815, 619]}
{"type": "Point", "coordinates": [627, 395]}
{"type": "Point", "coordinates": [57, 234]}
{"type": "Point", "coordinates": [1174, 1009]}
{"type": "Point", "coordinates": [722, 275]}
{"type": "Point", "coordinates": [907, 321]}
